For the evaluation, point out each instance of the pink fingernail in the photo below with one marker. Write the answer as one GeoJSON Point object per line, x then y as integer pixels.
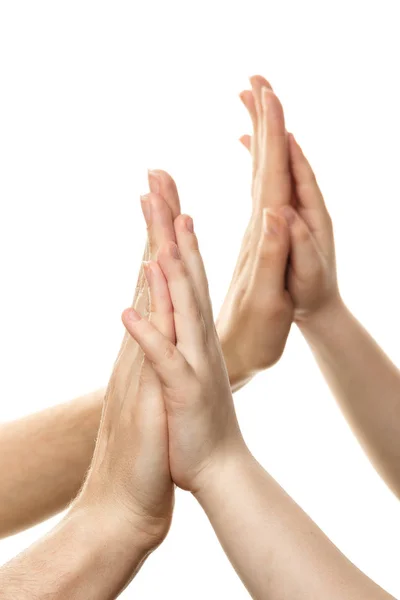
{"type": "Point", "coordinates": [154, 181]}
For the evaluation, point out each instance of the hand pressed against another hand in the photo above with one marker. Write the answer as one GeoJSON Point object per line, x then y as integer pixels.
{"type": "Point", "coordinates": [255, 318]}
{"type": "Point", "coordinates": [202, 424]}
{"type": "Point", "coordinates": [130, 476]}
{"type": "Point", "coordinates": [312, 280]}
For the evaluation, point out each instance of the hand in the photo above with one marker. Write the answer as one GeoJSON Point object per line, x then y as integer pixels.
{"type": "Point", "coordinates": [255, 318]}
{"type": "Point", "coordinates": [312, 280]}
{"type": "Point", "coordinates": [160, 207]}
{"type": "Point", "coordinates": [130, 476]}
{"type": "Point", "coordinates": [202, 424]}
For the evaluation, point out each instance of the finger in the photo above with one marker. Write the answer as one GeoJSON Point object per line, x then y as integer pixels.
{"type": "Point", "coordinates": [257, 84]}
{"type": "Point", "coordinates": [189, 249]}
{"type": "Point", "coordinates": [162, 183]}
{"type": "Point", "coordinates": [162, 317]}
{"type": "Point", "coordinates": [275, 181]}
{"type": "Point", "coordinates": [189, 324]}
{"type": "Point", "coordinates": [305, 257]}
{"type": "Point", "coordinates": [159, 221]}
{"type": "Point", "coordinates": [247, 98]}
{"type": "Point", "coordinates": [308, 194]}
{"type": "Point", "coordinates": [165, 357]}
{"type": "Point", "coordinates": [268, 277]}
{"type": "Point", "coordinates": [246, 140]}
{"type": "Point", "coordinates": [161, 309]}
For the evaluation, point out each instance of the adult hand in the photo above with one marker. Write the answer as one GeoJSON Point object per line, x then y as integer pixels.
{"type": "Point", "coordinates": [255, 319]}
{"type": "Point", "coordinates": [129, 478]}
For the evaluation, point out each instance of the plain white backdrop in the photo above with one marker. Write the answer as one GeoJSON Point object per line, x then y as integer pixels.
{"type": "Point", "coordinates": [94, 93]}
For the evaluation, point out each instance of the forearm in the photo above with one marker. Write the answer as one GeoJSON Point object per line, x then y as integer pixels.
{"type": "Point", "coordinates": [43, 460]}
{"type": "Point", "coordinates": [276, 549]}
{"type": "Point", "coordinates": [365, 383]}
{"type": "Point", "coordinates": [84, 557]}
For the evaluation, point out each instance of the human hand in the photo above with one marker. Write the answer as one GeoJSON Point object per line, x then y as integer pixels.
{"type": "Point", "coordinates": [160, 207]}
{"type": "Point", "coordinates": [129, 475]}
{"type": "Point", "coordinates": [255, 319]}
{"type": "Point", "coordinates": [202, 424]}
{"type": "Point", "coordinates": [311, 278]}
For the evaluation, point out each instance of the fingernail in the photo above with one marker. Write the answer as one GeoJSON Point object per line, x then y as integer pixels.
{"type": "Point", "coordinates": [270, 223]}
{"type": "Point", "coordinates": [147, 271]}
{"type": "Point", "coordinates": [189, 225]}
{"type": "Point", "coordinates": [289, 214]}
{"type": "Point", "coordinates": [146, 207]}
{"type": "Point", "coordinates": [133, 315]}
{"type": "Point", "coordinates": [174, 251]}
{"type": "Point", "coordinates": [154, 181]}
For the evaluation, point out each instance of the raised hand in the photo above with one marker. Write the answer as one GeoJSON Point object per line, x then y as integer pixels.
{"type": "Point", "coordinates": [255, 319]}
{"type": "Point", "coordinates": [312, 280]}
{"type": "Point", "coordinates": [202, 425]}
{"type": "Point", "coordinates": [130, 475]}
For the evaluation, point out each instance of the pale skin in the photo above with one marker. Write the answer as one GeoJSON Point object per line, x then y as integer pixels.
{"type": "Point", "coordinates": [365, 382]}
{"type": "Point", "coordinates": [128, 490]}
{"type": "Point", "coordinates": [343, 350]}
{"type": "Point", "coordinates": [276, 549]}
{"type": "Point", "coordinates": [41, 484]}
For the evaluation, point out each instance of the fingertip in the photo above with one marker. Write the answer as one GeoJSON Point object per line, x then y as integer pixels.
{"type": "Point", "coordinates": [168, 189]}
{"type": "Point", "coordinates": [184, 224]}
{"type": "Point", "coordinates": [130, 316]}
{"type": "Point", "coordinates": [246, 141]}
{"type": "Point", "coordinates": [259, 81]}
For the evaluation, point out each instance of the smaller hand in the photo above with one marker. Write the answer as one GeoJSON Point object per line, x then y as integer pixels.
{"type": "Point", "coordinates": [202, 425]}
{"type": "Point", "coordinates": [312, 280]}
{"type": "Point", "coordinates": [255, 318]}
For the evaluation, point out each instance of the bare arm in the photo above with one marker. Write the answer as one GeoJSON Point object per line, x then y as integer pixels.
{"type": "Point", "coordinates": [278, 552]}
{"type": "Point", "coordinates": [276, 549]}
{"type": "Point", "coordinates": [124, 509]}
{"type": "Point", "coordinates": [44, 459]}
{"type": "Point", "coordinates": [37, 484]}
{"type": "Point", "coordinates": [77, 560]}
{"type": "Point", "coordinates": [364, 381]}
{"type": "Point", "coordinates": [366, 384]}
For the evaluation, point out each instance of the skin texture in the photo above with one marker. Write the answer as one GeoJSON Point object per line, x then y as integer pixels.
{"type": "Point", "coordinates": [365, 383]}
{"type": "Point", "coordinates": [128, 488]}
{"type": "Point", "coordinates": [278, 552]}
{"type": "Point", "coordinates": [37, 485]}
{"type": "Point", "coordinates": [257, 313]}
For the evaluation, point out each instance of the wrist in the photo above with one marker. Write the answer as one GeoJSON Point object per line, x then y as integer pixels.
{"type": "Point", "coordinates": [323, 319]}
{"type": "Point", "coordinates": [127, 530]}
{"type": "Point", "coordinates": [223, 473]}
{"type": "Point", "coordinates": [239, 374]}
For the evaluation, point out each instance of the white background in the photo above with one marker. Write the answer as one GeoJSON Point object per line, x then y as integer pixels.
{"type": "Point", "coordinates": [93, 93]}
